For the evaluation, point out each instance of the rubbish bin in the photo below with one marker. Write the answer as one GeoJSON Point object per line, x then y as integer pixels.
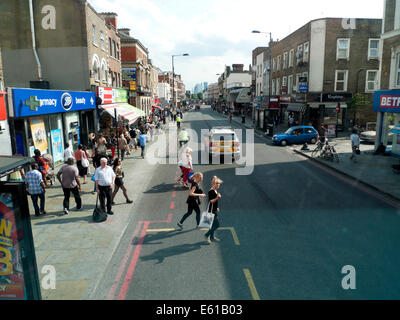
{"type": "Point", "coordinates": [243, 119]}
{"type": "Point", "coordinates": [270, 130]}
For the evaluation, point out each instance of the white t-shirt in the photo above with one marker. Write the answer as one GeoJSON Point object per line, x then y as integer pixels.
{"type": "Point", "coordinates": [355, 139]}
{"type": "Point", "coordinates": [68, 154]}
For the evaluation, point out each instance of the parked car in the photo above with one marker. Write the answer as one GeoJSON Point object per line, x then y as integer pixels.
{"type": "Point", "coordinates": [296, 135]}
{"type": "Point", "coordinates": [221, 141]}
{"type": "Point", "coordinates": [369, 135]}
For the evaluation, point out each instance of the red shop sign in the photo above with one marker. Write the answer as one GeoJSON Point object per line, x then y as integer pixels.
{"type": "Point", "coordinates": [3, 112]}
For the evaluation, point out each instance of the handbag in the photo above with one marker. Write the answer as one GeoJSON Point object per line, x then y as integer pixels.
{"type": "Point", "coordinates": [358, 152]}
{"type": "Point", "coordinates": [207, 219]}
{"type": "Point", "coordinates": [85, 163]}
{"type": "Point", "coordinates": [98, 214]}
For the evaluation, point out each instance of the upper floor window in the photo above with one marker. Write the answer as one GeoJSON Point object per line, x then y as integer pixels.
{"type": "Point", "coordinates": [299, 54]}
{"type": "Point", "coordinates": [290, 84]}
{"type": "Point", "coordinates": [278, 86]}
{"type": "Point", "coordinates": [114, 49]}
{"type": "Point", "coordinates": [291, 58]}
{"type": "Point", "coordinates": [117, 51]}
{"type": "Point", "coordinates": [343, 49]}
{"type": "Point", "coordinates": [306, 52]}
{"type": "Point", "coordinates": [279, 63]}
{"type": "Point", "coordinates": [341, 80]}
{"type": "Point", "coordinates": [285, 60]}
{"type": "Point", "coordinates": [102, 41]}
{"type": "Point", "coordinates": [372, 81]}
{"type": "Point", "coordinates": [110, 47]}
{"type": "Point", "coordinates": [273, 86]}
{"type": "Point", "coordinates": [373, 49]}
{"type": "Point", "coordinates": [398, 70]}
{"type": "Point", "coordinates": [94, 34]}
{"type": "Point", "coordinates": [273, 64]}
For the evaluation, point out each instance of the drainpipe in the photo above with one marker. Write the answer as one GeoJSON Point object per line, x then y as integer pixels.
{"type": "Point", "coordinates": [34, 41]}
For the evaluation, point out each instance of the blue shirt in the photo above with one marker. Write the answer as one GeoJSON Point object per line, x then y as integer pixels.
{"type": "Point", "coordinates": [142, 139]}
{"type": "Point", "coordinates": [33, 179]}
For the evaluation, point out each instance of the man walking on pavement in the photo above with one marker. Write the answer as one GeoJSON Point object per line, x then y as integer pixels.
{"type": "Point", "coordinates": [355, 145]}
{"type": "Point", "coordinates": [178, 121]}
{"type": "Point", "coordinates": [105, 178]}
{"type": "Point", "coordinates": [36, 189]}
{"type": "Point", "coordinates": [69, 180]}
{"type": "Point", "coordinates": [142, 142]}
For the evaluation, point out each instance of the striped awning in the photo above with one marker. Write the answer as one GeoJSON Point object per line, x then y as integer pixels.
{"type": "Point", "coordinates": [296, 107]}
{"type": "Point", "coordinates": [124, 110]}
{"type": "Point", "coordinates": [244, 96]}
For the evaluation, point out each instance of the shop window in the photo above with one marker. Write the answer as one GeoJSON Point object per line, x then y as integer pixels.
{"type": "Point", "coordinates": [343, 49]}
{"type": "Point", "coordinates": [371, 81]}
{"type": "Point", "coordinates": [341, 80]}
{"type": "Point", "coordinates": [373, 49]}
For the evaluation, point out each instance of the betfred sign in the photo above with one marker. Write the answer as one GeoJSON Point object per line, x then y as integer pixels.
{"type": "Point", "coordinates": [387, 101]}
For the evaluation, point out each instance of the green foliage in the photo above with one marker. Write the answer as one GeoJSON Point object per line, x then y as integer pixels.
{"type": "Point", "coordinates": [358, 100]}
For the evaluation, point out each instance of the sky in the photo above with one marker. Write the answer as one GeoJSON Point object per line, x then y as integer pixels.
{"type": "Point", "coordinates": [216, 33]}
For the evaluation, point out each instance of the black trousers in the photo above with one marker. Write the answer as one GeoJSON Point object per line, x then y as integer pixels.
{"type": "Point", "coordinates": [67, 194]}
{"type": "Point", "coordinates": [143, 147]}
{"type": "Point", "coordinates": [35, 198]}
{"type": "Point", "coordinates": [191, 208]}
{"type": "Point", "coordinates": [214, 227]}
{"type": "Point", "coordinates": [105, 193]}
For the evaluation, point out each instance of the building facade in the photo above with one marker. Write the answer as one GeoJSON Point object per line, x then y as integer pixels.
{"type": "Point", "coordinates": [136, 55]}
{"type": "Point", "coordinates": [323, 65]}
{"type": "Point", "coordinates": [387, 100]}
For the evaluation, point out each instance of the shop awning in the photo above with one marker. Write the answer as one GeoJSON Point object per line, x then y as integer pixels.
{"type": "Point", "coordinates": [8, 164]}
{"type": "Point", "coordinates": [244, 96]}
{"type": "Point", "coordinates": [296, 107]}
{"type": "Point", "coordinates": [124, 110]}
{"type": "Point", "coordinates": [233, 95]}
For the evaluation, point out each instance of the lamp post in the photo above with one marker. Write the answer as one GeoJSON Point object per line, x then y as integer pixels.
{"type": "Point", "coordinates": [173, 77]}
{"type": "Point", "coordinates": [270, 65]}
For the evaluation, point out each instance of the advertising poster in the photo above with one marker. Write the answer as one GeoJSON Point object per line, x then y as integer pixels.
{"type": "Point", "coordinates": [12, 283]}
{"type": "Point", "coordinates": [331, 130]}
{"type": "Point", "coordinates": [121, 95]}
{"type": "Point", "coordinates": [39, 135]}
{"type": "Point", "coordinates": [56, 142]}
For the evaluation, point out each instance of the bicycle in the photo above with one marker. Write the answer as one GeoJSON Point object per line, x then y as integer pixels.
{"type": "Point", "coordinates": [330, 153]}
{"type": "Point", "coordinates": [318, 150]}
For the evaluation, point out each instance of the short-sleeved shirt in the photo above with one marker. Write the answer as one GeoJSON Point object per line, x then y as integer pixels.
{"type": "Point", "coordinates": [68, 154]}
{"type": "Point", "coordinates": [212, 194]}
{"type": "Point", "coordinates": [69, 174]}
{"type": "Point", "coordinates": [142, 139]}
{"type": "Point", "coordinates": [104, 176]}
{"type": "Point", "coordinates": [355, 139]}
{"type": "Point", "coordinates": [34, 179]}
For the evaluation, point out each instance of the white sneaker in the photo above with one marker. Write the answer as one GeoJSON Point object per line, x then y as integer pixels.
{"type": "Point", "coordinates": [66, 212]}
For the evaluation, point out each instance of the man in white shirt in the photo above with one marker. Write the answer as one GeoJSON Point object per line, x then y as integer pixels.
{"type": "Point", "coordinates": [105, 177]}
{"type": "Point", "coordinates": [68, 153]}
{"type": "Point", "coordinates": [355, 145]}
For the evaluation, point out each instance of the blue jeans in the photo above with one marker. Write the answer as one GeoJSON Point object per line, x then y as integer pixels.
{"type": "Point", "coordinates": [35, 198]}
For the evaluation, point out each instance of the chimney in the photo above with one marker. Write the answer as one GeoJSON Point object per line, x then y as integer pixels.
{"type": "Point", "coordinates": [125, 31]}
{"type": "Point", "coordinates": [237, 67]}
{"type": "Point", "coordinates": [110, 18]}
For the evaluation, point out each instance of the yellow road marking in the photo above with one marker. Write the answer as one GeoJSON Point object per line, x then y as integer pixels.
{"type": "Point", "coordinates": [251, 285]}
{"type": "Point", "coordinates": [161, 230]}
{"type": "Point", "coordinates": [232, 230]}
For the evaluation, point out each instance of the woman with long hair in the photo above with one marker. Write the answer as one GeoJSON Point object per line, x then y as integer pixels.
{"type": "Point", "coordinates": [213, 197]}
{"type": "Point", "coordinates": [119, 180]}
{"type": "Point", "coordinates": [79, 155]}
{"type": "Point", "coordinates": [193, 201]}
{"type": "Point", "coordinates": [187, 166]}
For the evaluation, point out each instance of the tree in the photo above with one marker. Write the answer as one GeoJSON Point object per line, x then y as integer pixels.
{"type": "Point", "coordinates": [358, 100]}
{"type": "Point", "coordinates": [200, 95]}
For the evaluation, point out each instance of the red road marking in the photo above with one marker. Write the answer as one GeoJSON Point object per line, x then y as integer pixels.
{"type": "Point", "coordinates": [132, 266]}
{"type": "Point", "coordinates": [162, 221]}
{"type": "Point", "coordinates": [174, 194]}
{"type": "Point", "coordinates": [122, 267]}
{"type": "Point", "coordinates": [172, 205]}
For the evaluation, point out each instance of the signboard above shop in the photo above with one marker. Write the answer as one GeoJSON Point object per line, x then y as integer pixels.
{"type": "Point", "coordinates": [387, 101]}
{"type": "Point", "coordinates": [110, 95]}
{"type": "Point", "coordinates": [34, 102]}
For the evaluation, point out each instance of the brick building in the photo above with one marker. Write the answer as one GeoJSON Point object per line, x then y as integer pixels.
{"type": "Point", "coordinates": [1, 74]}
{"type": "Point", "coordinates": [113, 41]}
{"type": "Point", "coordinates": [135, 55]}
{"type": "Point", "coordinates": [177, 83]}
{"type": "Point", "coordinates": [322, 64]}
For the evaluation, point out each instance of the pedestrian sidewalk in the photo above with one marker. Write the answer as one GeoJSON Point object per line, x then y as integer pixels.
{"type": "Point", "coordinates": [374, 171]}
{"type": "Point", "coordinates": [78, 248]}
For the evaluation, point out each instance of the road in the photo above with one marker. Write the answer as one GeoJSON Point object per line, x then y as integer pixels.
{"type": "Point", "coordinates": [287, 230]}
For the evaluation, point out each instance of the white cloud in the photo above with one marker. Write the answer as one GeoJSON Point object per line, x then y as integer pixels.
{"type": "Point", "coordinates": [218, 32]}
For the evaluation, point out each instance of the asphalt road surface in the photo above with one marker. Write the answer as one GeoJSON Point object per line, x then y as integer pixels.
{"type": "Point", "coordinates": [287, 230]}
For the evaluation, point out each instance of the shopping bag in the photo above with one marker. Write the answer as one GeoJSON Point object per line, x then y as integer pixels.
{"type": "Point", "coordinates": [98, 214]}
{"type": "Point", "coordinates": [207, 219]}
{"type": "Point", "coordinates": [85, 163]}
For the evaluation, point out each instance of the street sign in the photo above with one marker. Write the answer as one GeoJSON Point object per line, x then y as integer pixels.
{"type": "Point", "coordinates": [303, 88]}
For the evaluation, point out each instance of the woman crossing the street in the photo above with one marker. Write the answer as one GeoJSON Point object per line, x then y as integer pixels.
{"type": "Point", "coordinates": [213, 197]}
{"type": "Point", "coordinates": [193, 201]}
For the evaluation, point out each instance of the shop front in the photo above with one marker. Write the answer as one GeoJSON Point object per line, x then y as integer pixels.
{"type": "Point", "coordinates": [115, 106]}
{"type": "Point", "coordinates": [4, 127]}
{"type": "Point", "coordinates": [387, 105]}
{"type": "Point", "coordinates": [47, 119]}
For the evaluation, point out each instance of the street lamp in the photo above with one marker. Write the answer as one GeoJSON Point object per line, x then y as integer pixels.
{"type": "Point", "coordinates": [173, 76]}
{"type": "Point", "coordinates": [270, 65]}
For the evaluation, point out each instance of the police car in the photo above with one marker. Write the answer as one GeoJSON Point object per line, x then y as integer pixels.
{"type": "Point", "coordinates": [222, 141]}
